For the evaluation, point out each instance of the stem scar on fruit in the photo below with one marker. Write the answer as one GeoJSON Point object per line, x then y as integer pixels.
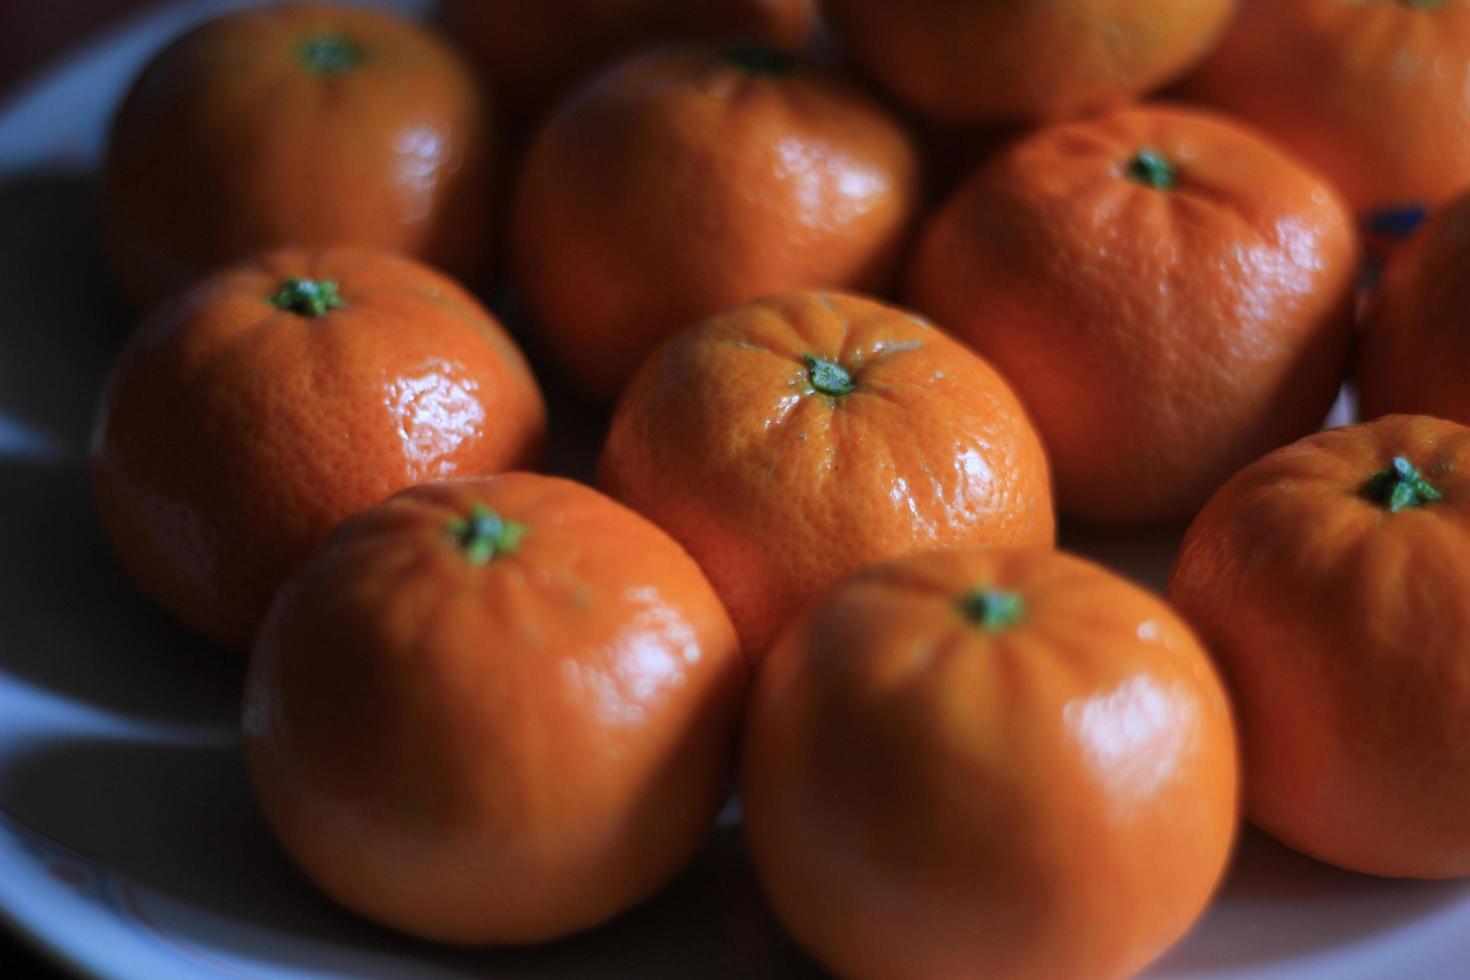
{"type": "Point", "coordinates": [485, 535]}
{"type": "Point", "coordinates": [828, 377]}
{"type": "Point", "coordinates": [754, 59]}
{"type": "Point", "coordinates": [308, 297]}
{"type": "Point", "coordinates": [1152, 169]}
{"type": "Point", "coordinates": [992, 610]}
{"type": "Point", "coordinates": [328, 53]}
{"type": "Point", "coordinates": [1401, 487]}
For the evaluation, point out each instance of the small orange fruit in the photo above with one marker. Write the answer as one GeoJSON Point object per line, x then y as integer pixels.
{"type": "Point", "coordinates": [791, 441]}
{"type": "Point", "coordinates": [685, 181]}
{"type": "Point", "coordinates": [533, 51]}
{"type": "Point", "coordinates": [989, 763]}
{"type": "Point", "coordinates": [246, 419]}
{"type": "Point", "coordinates": [1375, 95]}
{"type": "Point", "coordinates": [1329, 580]}
{"type": "Point", "coordinates": [1002, 61]}
{"type": "Point", "coordinates": [295, 124]}
{"type": "Point", "coordinates": [1415, 354]}
{"type": "Point", "coordinates": [1170, 295]}
{"type": "Point", "coordinates": [495, 710]}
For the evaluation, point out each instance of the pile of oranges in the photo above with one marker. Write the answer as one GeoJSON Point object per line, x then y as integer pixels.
{"type": "Point", "coordinates": [869, 294]}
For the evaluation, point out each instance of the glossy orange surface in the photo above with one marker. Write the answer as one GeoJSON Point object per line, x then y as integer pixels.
{"type": "Point", "coordinates": [1375, 95]}
{"type": "Point", "coordinates": [1047, 793]}
{"type": "Point", "coordinates": [1343, 630]}
{"type": "Point", "coordinates": [1161, 336]}
{"type": "Point", "coordinates": [778, 489]}
{"type": "Point", "coordinates": [683, 182]}
{"type": "Point", "coordinates": [498, 751]}
{"type": "Point", "coordinates": [1415, 354]}
{"type": "Point", "coordinates": [1000, 61]}
{"type": "Point", "coordinates": [233, 435]}
{"type": "Point", "coordinates": [295, 124]}
{"type": "Point", "coordinates": [533, 52]}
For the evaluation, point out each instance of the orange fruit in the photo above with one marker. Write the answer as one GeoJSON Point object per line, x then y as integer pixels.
{"type": "Point", "coordinates": [794, 440]}
{"type": "Point", "coordinates": [532, 52]}
{"type": "Point", "coordinates": [247, 418]}
{"type": "Point", "coordinates": [1329, 581]}
{"type": "Point", "coordinates": [685, 181]}
{"type": "Point", "coordinates": [495, 710]}
{"type": "Point", "coordinates": [1415, 351]}
{"type": "Point", "coordinates": [297, 124]}
{"type": "Point", "coordinates": [1376, 95]}
{"type": "Point", "coordinates": [1170, 295]}
{"type": "Point", "coordinates": [989, 763]}
{"type": "Point", "coordinates": [999, 61]}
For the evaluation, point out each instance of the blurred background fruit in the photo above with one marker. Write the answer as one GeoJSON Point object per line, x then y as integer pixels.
{"type": "Point", "coordinates": [996, 763]}
{"type": "Point", "coordinates": [1329, 582]}
{"type": "Point", "coordinates": [999, 61]}
{"type": "Point", "coordinates": [295, 124]}
{"type": "Point", "coordinates": [496, 710]}
{"type": "Point", "coordinates": [1376, 96]}
{"type": "Point", "coordinates": [1415, 354]}
{"type": "Point", "coordinates": [1169, 294]}
{"type": "Point", "coordinates": [686, 181]}
{"type": "Point", "coordinates": [790, 442]}
{"type": "Point", "coordinates": [535, 52]}
{"type": "Point", "coordinates": [248, 417]}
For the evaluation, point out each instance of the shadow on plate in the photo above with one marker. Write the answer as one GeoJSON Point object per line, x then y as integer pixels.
{"type": "Point", "coordinates": [71, 621]}
{"type": "Point", "coordinates": [1279, 905]}
{"type": "Point", "coordinates": [180, 820]}
{"type": "Point", "coordinates": [61, 325]}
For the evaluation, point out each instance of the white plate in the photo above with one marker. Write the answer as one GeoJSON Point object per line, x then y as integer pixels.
{"type": "Point", "coordinates": [129, 844]}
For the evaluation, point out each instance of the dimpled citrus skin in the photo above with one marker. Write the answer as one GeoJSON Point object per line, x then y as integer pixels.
{"type": "Point", "coordinates": [1160, 337]}
{"type": "Point", "coordinates": [778, 490]}
{"type": "Point", "coordinates": [498, 752]}
{"type": "Point", "coordinates": [229, 144]}
{"type": "Point", "coordinates": [233, 435]}
{"type": "Point", "coordinates": [927, 796]}
{"type": "Point", "coordinates": [1375, 95]}
{"type": "Point", "coordinates": [1415, 353]}
{"type": "Point", "coordinates": [532, 51]}
{"type": "Point", "coordinates": [1004, 61]}
{"type": "Point", "coordinates": [682, 182]}
{"type": "Point", "coordinates": [1343, 632]}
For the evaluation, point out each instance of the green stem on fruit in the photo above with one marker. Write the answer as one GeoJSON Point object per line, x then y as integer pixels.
{"type": "Point", "coordinates": [1401, 487]}
{"type": "Point", "coordinates": [829, 377]}
{"type": "Point", "coordinates": [755, 59]}
{"type": "Point", "coordinates": [1152, 169]}
{"type": "Point", "coordinates": [328, 54]}
{"type": "Point", "coordinates": [485, 535]}
{"type": "Point", "coordinates": [308, 297]}
{"type": "Point", "coordinates": [1423, 4]}
{"type": "Point", "coordinates": [993, 609]}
